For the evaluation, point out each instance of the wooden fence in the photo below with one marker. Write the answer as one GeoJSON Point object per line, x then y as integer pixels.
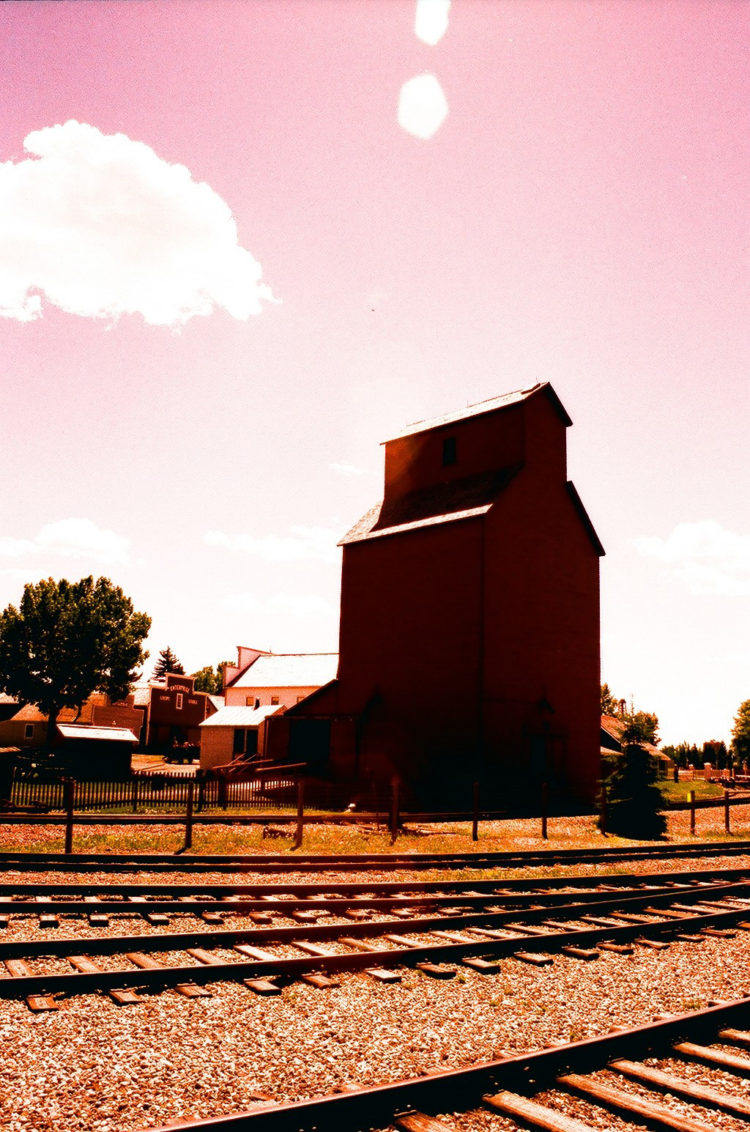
{"type": "Point", "coordinates": [162, 793]}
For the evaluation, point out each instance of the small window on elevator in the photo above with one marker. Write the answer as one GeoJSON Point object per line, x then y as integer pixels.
{"type": "Point", "coordinates": [449, 451]}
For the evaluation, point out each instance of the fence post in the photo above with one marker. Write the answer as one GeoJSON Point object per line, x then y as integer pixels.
{"type": "Point", "coordinates": [603, 811]}
{"type": "Point", "coordinates": [189, 816]}
{"type": "Point", "coordinates": [135, 795]}
{"type": "Point", "coordinates": [394, 810]}
{"type": "Point", "coordinates": [297, 844]}
{"type": "Point", "coordinates": [691, 800]}
{"type": "Point", "coordinates": [726, 811]}
{"type": "Point", "coordinates": [222, 792]}
{"type": "Point", "coordinates": [475, 812]}
{"type": "Point", "coordinates": [69, 799]}
{"type": "Point", "coordinates": [545, 809]}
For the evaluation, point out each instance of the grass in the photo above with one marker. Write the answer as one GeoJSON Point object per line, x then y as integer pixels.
{"type": "Point", "coordinates": [678, 791]}
{"type": "Point", "coordinates": [512, 835]}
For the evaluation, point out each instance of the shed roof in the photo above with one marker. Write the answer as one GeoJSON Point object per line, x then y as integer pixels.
{"type": "Point", "coordinates": [241, 716]}
{"type": "Point", "coordinates": [479, 408]}
{"type": "Point", "coordinates": [83, 731]}
{"type": "Point", "coordinates": [464, 498]}
{"type": "Point", "coordinates": [289, 670]}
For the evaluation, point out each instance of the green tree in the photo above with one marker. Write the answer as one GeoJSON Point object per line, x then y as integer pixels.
{"type": "Point", "coordinates": [634, 800]}
{"type": "Point", "coordinates": [67, 640]}
{"type": "Point", "coordinates": [741, 733]}
{"type": "Point", "coordinates": [167, 662]}
{"type": "Point", "coordinates": [608, 701]}
{"type": "Point", "coordinates": [208, 679]}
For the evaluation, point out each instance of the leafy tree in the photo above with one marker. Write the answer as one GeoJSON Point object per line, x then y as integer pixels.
{"type": "Point", "coordinates": [741, 733]}
{"type": "Point", "coordinates": [67, 640]}
{"type": "Point", "coordinates": [167, 662]}
{"type": "Point", "coordinates": [211, 680]}
{"type": "Point", "coordinates": [647, 724]}
{"type": "Point", "coordinates": [634, 800]}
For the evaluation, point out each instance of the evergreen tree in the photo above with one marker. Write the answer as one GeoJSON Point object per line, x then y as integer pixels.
{"type": "Point", "coordinates": [167, 662]}
{"type": "Point", "coordinates": [634, 800]}
{"type": "Point", "coordinates": [741, 733]}
{"type": "Point", "coordinates": [608, 702]}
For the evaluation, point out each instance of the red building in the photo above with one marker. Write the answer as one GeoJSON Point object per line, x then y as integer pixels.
{"type": "Point", "coordinates": [174, 712]}
{"type": "Point", "coordinates": [469, 637]}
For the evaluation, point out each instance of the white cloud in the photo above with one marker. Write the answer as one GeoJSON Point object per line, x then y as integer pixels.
{"type": "Point", "coordinates": [707, 557]}
{"type": "Point", "coordinates": [302, 544]}
{"type": "Point", "coordinates": [102, 226]}
{"type": "Point", "coordinates": [422, 106]}
{"type": "Point", "coordinates": [69, 538]}
{"type": "Point", "coordinates": [431, 20]}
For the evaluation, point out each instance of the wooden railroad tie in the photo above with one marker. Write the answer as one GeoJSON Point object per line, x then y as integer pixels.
{"type": "Point", "coordinates": [631, 1104]}
{"type": "Point", "coordinates": [148, 963]}
{"type": "Point", "coordinates": [532, 957]}
{"type": "Point", "coordinates": [679, 1086]}
{"type": "Point", "coordinates": [49, 920]}
{"type": "Point", "coordinates": [715, 1057]}
{"type": "Point", "coordinates": [36, 1002]}
{"type": "Point", "coordinates": [125, 997]}
{"type": "Point", "coordinates": [212, 917]}
{"type": "Point", "coordinates": [538, 1115]}
{"type": "Point", "coordinates": [419, 1122]}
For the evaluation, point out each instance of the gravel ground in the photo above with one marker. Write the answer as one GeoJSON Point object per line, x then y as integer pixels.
{"type": "Point", "coordinates": [94, 1066]}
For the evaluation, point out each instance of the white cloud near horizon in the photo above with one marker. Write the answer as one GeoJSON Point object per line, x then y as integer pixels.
{"type": "Point", "coordinates": [69, 538]}
{"type": "Point", "coordinates": [101, 227]}
{"type": "Point", "coordinates": [302, 544]}
{"type": "Point", "coordinates": [422, 106]}
{"type": "Point", "coordinates": [431, 20]}
{"type": "Point", "coordinates": [707, 557]}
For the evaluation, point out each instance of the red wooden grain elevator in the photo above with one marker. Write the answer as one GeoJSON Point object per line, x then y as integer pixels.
{"type": "Point", "coordinates": [469, 635]}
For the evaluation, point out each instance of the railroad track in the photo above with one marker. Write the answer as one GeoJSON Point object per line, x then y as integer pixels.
{"type": "Point", "coordinates": [535, 1089]}
{"type": "Point", "coordinates": [289, 862]}
{"type": "Point", "coordinates": [437, 928]}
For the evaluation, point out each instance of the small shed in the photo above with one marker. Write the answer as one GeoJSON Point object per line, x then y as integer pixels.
{"type": "Point", "coordinates": [96, 752]}
{"type": "Point", "coordinates": [234, 732]}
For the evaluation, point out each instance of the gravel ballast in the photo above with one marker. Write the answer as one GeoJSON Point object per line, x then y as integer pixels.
{"type": "Point", "coordinates": [95, 1066]}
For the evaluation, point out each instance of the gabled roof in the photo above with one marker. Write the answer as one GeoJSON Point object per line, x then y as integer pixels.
{"type": "Point", "coordinates": [289, 670]}
{"type": "Point", "coordinates": [241, 716]}
{"type": "Point", "coordinates": [30, 713]}
{"type": "Point", "coordinates": [490, 406]}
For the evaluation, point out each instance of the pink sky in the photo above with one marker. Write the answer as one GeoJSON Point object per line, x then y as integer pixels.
{"type": "Point", "coordinates": [579, 217]}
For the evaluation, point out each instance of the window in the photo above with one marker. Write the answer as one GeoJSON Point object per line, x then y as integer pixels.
{"type": "Point", "coordinates": [274, 699]}
{"type": "Point", "coordinates": [28, 731]}
{"type": "Point", "coordinates": [178, 701]}
{"type": "Point", "coordinates": [449, 451]}
{"type": "Point", "coordinates": [249, 701]}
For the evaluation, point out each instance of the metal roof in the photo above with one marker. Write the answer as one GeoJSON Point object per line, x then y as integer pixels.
{"type": "Point", "coordinates": [481, 407]}
{"type": "Point", "coordinates": [464, 498]}
{"type": "Point", "coordinates": [241, 716]}
{"type": "Point", "coordinates": [82, 731]}
{"type": "Point", "coordinates": [289, 670]}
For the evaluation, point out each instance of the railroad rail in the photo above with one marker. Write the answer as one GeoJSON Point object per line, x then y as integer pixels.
{"type": "Point", "coordinates": [291, 862]}
{"type": "Point", "coordinates": [477, 930]}
{"type": "Point", "coordinates": [519, 1086]}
